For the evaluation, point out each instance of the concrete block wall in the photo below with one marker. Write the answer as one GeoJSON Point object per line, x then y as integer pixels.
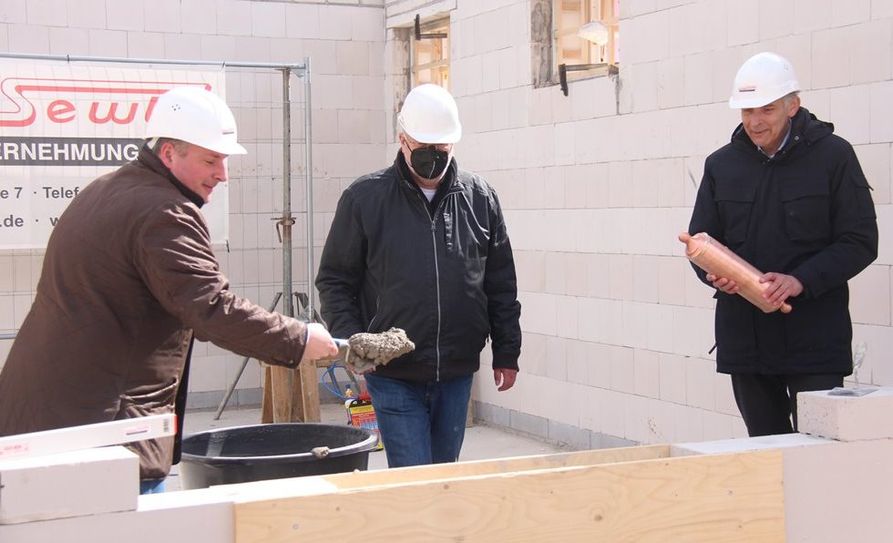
{"type": "Point", "coordinates": [345, 40]}
{"type": "Point", "coordinates": [596, 185]}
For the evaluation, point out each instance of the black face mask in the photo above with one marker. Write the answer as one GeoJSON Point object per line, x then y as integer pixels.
{"type": "Point", "coordinates": [429, 162]}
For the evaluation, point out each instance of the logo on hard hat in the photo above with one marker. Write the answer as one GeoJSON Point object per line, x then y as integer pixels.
{"type": "Point", "coordinates": [748, 88]}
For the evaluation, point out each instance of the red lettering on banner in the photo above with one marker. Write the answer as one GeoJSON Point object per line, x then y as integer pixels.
{"type": "Point", "coordinates": [120, 101]}
{"type": "Point", "coordinates": [150, 108]}
{"type": "Point", "coordinates": [110, 116]}
{"type": "Point", "coordinates": [58, 108]}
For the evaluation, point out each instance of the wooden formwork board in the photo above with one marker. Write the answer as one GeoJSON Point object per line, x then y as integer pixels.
{"type": "Point", "coordinates": [638, 494]}
{"type": "Point", "coordinates": [359, 479]}
{"type": "Point", "coordinates": [290, 395]}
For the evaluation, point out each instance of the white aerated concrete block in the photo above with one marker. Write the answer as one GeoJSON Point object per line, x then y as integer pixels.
{"type": "Point", "coordinates": [833, 491]}
{"type": "Point", "coordinates": [204, 516]}
{"type": "Point", "coordinates": [71, 484]}
{"type": "Point", "coordinates": [846, 418]}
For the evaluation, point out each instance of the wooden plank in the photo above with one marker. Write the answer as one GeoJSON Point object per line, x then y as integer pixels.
{"type": "Point", "coordinates": [457, 470]}
{"type": "Point", "coordinates": [729, 498]}
{"type": "Point", "coordinates": [281, 392]}
{"type": "Point", "coordinates": [266, 415]}
{"type": "Point", "coordinates": [307, 394]}
{"type": "Point", "coordinates": [442, 472]}
{"type": "Point", "coordinates": [291, 395]}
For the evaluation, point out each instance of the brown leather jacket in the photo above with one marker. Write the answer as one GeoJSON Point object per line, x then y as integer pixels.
{"type": "Point", "coordinates": [128, 277]}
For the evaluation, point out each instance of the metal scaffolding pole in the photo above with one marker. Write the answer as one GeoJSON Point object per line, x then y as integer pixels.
{"type": "Point", "coordinates": [298, 68]}
{"type": "Point", "coordinates": [308, 181]}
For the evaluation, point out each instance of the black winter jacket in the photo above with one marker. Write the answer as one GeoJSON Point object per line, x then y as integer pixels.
{"type": "Point", "coordinates": [806, 212]}
{"type": "Point", "coordinates": [443, 271]}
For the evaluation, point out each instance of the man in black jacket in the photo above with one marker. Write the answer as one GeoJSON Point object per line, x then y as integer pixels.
{"type": "Point", "coordinates": [422, 246]}
{"type": "Point", "coordinates": [788, 196]}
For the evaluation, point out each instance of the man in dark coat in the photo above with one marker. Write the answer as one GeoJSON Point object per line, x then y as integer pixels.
{"type": "Point", "coordinates": [422, 246]}
{"type": "Point", "coordinates": [788, 196]}
{"type": "Point", "coordinates": [129, 278]}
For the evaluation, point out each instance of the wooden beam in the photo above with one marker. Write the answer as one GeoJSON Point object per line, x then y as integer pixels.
{"type": "Point", "coordinates": [455, 470]}
{"type": "Point", "coordinates": [304, 486]}
{"type": "Point", "coordinates": [730, 498]}
{"type": "Point", "coordinates": [282, 386]}
{"type": "Point", "coordinates": [266, 415]}
{"type": "Point", "coordinates": [290, 395]}
{"type": "Point", "coordinates": [306, 394]}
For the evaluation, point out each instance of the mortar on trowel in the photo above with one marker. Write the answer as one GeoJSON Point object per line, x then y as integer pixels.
{"type": "Point", "coordinates": [365, 351]}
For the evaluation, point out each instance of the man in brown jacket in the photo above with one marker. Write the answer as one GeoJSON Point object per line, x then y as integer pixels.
{"type": "Point", "coordinates": [129, 279]}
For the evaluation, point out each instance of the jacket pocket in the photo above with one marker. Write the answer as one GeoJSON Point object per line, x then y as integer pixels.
{"type": "Point", "coordinates": [734, 329]}
{"type": "Point", "coordinates": [154, 402]}
{"type": "Point", "coordinates": [465, 235]}
{"type": "Point", "coordinates": [820, 325]}
{"type": "Point", "coordinates": [807, 211]}
{"type": "Point", "coordinates": [734, 203]}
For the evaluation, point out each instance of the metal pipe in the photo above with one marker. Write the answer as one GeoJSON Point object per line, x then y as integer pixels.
{"type": "Point", "coordinates": [222, 63]}
{"type": "Point", "coordinates": [287, 219]}
{"type": "Point", "coordinates": [8, 336]}
{"type": "Point", "coordinates": [308, 180]}
{"type": "Point", "coordinates": [286, 222]}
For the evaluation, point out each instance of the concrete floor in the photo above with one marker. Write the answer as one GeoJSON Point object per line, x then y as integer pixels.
{"type": "Point", "coordinates": [481, 441]}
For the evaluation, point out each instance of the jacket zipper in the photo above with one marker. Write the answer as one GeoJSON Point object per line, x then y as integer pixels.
{"type": "Point", "coordinates": [375, 316]}
{"type": "Point", "coordinates": [436, 277]}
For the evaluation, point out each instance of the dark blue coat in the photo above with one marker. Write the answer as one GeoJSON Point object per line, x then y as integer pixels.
{"type": "Point", "coordinates": [806, 212]}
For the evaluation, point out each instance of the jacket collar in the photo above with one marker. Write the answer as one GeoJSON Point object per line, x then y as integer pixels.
{"type": "Point", "coordinates": [150, 160]}
{"type": "Point", "coordinates": [805, 128]}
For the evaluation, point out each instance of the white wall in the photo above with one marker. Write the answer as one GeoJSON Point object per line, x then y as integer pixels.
{"type": "Point", "coordinates": [597, 185]}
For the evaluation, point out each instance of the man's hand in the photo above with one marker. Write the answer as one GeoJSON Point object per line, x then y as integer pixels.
{"type": "Point", "coordinates": [504, 378]}
{"type": "Point", "coordinates": [721, 283]}
{"type": "Point", "coordinates": [320, 344]}
{"type": "Point", "coordinates": [781, 287]}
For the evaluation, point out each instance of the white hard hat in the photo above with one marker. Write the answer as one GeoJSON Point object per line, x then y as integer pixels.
{"type": "Point", "coordinates": [761, 80]}
{"type": "Point", "coordinates": [430, 115]}
{"type": "Point", "coordinates": [196, 116]}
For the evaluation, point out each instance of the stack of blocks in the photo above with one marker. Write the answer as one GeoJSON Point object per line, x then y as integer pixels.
{"type": "Point", "coordinates": [838, 478]}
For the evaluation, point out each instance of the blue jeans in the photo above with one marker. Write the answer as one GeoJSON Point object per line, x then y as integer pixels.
{"type": "Point", "coordinates": [151, 486]}
{"type": "Point", "coordinates": [420, 423]}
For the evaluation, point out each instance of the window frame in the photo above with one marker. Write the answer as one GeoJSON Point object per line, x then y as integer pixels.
{"type": "Point", "coordinates": [439, 47]}
{"type": "Point", "coordinates": [605, 11]}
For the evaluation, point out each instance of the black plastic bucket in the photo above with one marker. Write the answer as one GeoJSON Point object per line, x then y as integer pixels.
{"type": "Point", "coordinates": [272, 451]}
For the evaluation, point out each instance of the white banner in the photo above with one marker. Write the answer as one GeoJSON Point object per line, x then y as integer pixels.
{"type": "Point", "coordinates": [64, 125]}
